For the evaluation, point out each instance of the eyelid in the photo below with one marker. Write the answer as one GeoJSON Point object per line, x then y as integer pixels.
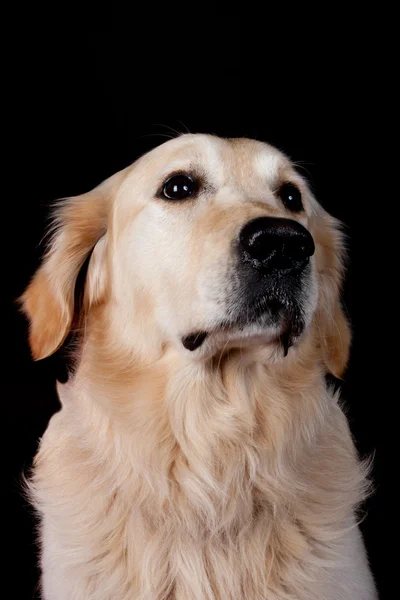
{"type": "Point", "coordinates": [278, 186]}
{"type": "Point", "coordinates": [184, 175]}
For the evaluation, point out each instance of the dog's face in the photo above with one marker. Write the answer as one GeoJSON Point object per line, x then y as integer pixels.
{"type": "Point", "coordinates": [212, 235]}
{"type": "Point", "coordinates": [203, 243]}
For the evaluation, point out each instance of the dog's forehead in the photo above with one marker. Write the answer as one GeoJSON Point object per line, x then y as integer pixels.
{"type": "Point", "coordinates": [257, 158]}
{"type": "Point", "coordinates": [224, 159]}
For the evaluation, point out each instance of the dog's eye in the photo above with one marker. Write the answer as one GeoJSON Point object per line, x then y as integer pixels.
{"type": "Point", "coordinates": [179, 187]}
{"type": "Point", "coordinates": [291, 197]}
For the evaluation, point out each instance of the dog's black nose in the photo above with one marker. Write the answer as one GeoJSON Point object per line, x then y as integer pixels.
{"type": "Point", "coordinates": [276, 244]}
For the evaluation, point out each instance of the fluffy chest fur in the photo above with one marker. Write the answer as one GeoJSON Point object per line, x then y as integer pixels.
{"type": "Point", "coordinates": [219, 482]}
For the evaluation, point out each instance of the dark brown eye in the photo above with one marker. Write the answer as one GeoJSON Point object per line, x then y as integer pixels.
{"type": "Point", "coordinates": [179, 187]}
{"type": "Point", "coordinates": [291, 197]}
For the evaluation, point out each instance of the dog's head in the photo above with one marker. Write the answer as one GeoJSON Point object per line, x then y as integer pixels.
{"type": "Point", "coordinates": [204, 244]}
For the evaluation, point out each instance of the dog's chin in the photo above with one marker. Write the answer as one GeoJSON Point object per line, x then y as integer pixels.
{"type": "Point", "coordinates": [280, 329]}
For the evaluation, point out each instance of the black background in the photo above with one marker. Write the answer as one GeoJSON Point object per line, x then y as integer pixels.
{"type": "Point", "coordinates": [85, 103]}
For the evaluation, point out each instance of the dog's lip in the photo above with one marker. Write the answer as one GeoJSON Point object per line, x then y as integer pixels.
{"type": "Point", "coordinates": [240, 335]}
{"type": "Point", "coordinates": [280, 328]}
{"type": "Point", "coordinates": [196, 338]}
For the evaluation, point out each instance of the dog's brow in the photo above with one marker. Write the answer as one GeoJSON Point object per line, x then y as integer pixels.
{"type": "Point", "coordinates": [180, 165]}
{"type": "Point", "coordinates": [268, 165]}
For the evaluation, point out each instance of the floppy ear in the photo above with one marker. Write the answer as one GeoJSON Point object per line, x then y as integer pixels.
{"type": "Point", "coordinates": [79, 223]}
{"type": "Point", "coordinates": [333, 328]}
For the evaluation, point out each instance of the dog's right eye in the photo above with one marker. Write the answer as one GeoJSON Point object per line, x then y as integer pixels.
{"type": "Point", "coordinates": [179, 187]}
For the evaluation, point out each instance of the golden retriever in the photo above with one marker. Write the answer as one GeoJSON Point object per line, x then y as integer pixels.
{"type": "Point", "coordinates": [199, 453]}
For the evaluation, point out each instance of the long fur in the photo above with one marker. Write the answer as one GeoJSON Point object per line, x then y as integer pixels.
{"type": "Point", "coordinates": [231, 478]}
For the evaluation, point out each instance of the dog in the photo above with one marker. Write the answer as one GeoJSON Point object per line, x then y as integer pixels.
{"type": "Point", "coordinates": [199, 453]}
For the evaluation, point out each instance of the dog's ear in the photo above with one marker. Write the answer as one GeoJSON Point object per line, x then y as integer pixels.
{"type": "Point", "coordinates": [79, 229]}
{"type": "Point", "coordinates": [333, 329]}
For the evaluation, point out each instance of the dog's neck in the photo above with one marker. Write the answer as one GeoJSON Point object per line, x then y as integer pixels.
{"type": "Point", "coordinates": [237, 399]}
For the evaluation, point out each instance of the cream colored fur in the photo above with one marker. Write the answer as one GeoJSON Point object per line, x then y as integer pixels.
{"type": "Point", "coordinates": [228, 475]}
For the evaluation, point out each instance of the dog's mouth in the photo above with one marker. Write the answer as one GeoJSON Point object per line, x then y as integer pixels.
{"type": "Point", "coordinates": [284, 322]}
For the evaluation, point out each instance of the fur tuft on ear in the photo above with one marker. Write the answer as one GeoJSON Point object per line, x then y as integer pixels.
{"type": "Point", "coordinates": [333, 328]}
{"type": "Point", "coordinates": [78, 225]}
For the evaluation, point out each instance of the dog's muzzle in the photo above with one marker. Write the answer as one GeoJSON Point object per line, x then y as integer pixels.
{"type": "Point", "coordinates": [269, 280]}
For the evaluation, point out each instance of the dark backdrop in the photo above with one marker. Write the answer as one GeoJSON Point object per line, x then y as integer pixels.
{"type": "Point", "coordinates": [85, 104]}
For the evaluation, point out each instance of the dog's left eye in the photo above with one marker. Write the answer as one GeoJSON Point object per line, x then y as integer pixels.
{"type": "Point", "coordinates": [291, 197]}
{"type": "Point", "coordinates": [179, 187]}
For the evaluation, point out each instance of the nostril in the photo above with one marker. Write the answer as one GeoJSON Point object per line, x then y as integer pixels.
{"type": "Point", "coordinates": [254, 240]}
{"type": "Point", "coordinates": [286, 263]}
